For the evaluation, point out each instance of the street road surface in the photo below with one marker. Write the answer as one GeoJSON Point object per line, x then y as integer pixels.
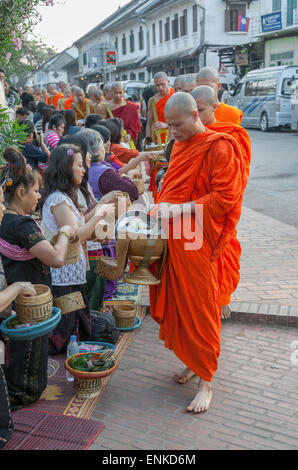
{"type": "Point", "coordinates": [273, 184]}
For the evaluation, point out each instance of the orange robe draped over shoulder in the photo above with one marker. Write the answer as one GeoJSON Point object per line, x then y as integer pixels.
{"type": "Point", "coordinates": [68, 103]}
{"type": "Point", "coordinates": [81, 109]}
{"type": "Point", "coordinates": [227, 113]}
{"type": "Point", "coordinates": [232, 253]}
{"type": "Point", "coordinates": [207, 168]}
{"type": "Point", "coordinates": [53, 100]}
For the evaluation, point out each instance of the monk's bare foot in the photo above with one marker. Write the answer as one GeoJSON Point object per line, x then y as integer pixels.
{"type": "Point", "coordinates": [225, 312]}
{"type": "Point", "coordinates": [184, 377]}
{"type": "Point", "coordinates": [202, 400]}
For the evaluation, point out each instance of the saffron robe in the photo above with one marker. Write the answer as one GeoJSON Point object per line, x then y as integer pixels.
{"type": "Point", "coordinates": [130, 117]}
{"type": "Point", "coordinates": [123, 153]}
{"type": "Point", "coordinates": [68, 103]}
{"type": "Point", "coordinates": [82, 110]}
{"type": "Point", "coordinates": [232, 253]}
{"type": "Point", "coordinates": [53, 100]}
{"type": "Point", "coordinates": [207, 168]}
{"type": "Point", "coordinates": [227, 113]}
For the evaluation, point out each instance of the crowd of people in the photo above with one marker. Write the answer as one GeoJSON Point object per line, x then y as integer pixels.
{"type": "Point", "coordinates": [80, 155]}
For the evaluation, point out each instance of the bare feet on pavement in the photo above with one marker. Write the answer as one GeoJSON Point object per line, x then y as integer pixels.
{"type": "Point", "coordinates": [202, 400]}
{"type": "Point", "coordinates": [184, 376]}
{"type": "Point", "coordinates": [225, 312]}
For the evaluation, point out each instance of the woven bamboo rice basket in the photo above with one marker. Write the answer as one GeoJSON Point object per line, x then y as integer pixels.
{"type": "Point", "coordinates": [139, 184]}
{"type": "Point", "coordinates": [37, 308]}
{"type": "Point", "coordinates": [107, 268]}
{"type": "Point", "coordinates": [125, 315]}
{"type": "Point", "coordinates": [86, 388]}
{"type": "Point", "coordinates": [70, 302]}
{"type": "Point", "coordinates": [73, 254]}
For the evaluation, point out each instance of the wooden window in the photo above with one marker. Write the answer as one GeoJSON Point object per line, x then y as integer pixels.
{"type": "Point", "coordinates": [276, 5]}
{"type": "Point", "coordinates": [167, 30]}
{"type": "Point", "coordinates": [132, 41]}
{"type": "Point", "coordinates": [175, 27]}
{"type": "Point", "coordinates": [84, 58]}
{"type": "Point", "coordinates": [142, 76]}
{"type": "Point", "coordinates": [291, 6]}
{"type": "Point", "coordinates": [141, 39]}
{"type": "Point", "coordinates": [124, 45]}
{"type": "Point", "coordinates": [195, 18]}
{"type": "Point", "coordinates": [153, 34]}
{"type": "Point", "coordinates": [231, 16]}
{"type": "Point", "coordinates": [183, 23]}
{"type": "Point", "coordinates": [116, 44]}
{"type": "Point", "coordinates": [160, 32]}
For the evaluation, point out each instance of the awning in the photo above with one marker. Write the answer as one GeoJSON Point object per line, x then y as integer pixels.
{"type": "Point", "coordinates": [185, 54]}
{"type": "Point", "coordinates": [128, 64]}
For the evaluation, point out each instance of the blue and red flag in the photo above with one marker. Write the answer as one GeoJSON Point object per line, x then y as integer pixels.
{"type": "Point", "coordinates": [243, 23]}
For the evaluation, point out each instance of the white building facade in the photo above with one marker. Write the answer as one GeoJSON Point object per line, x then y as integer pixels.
{"type": "Point", "coordinates": [181, 36]}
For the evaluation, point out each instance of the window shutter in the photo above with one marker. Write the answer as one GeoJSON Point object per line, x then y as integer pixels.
{"type": "Point", "coordinates": [227, 20]}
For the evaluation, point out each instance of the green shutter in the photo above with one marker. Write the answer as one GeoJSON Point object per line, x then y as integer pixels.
{"type": "Point", "coordinates": [291, 5]}
{"type": "Point", "coordinates": [276, 5]}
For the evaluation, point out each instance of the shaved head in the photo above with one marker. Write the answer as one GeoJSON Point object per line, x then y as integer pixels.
{"type": "Point", "coordinates": [178, 83]}
{"type": "Point", "coordinates": [189, 82]}
{"type": "Point", "coordinates": [184, 103]}
{"type": "Point", "coordinates": [117, 86]}
{"type": "Point", "coordinates": [208, 73]}
{"type": "Point", "coordinates": [160, 76]}
{"type": "Point", "coordinates": [161, 83]}
{"type": "Point", "coordinates": [209, 76]}
{"type": "Point", "coordinates": [205, 93]}
{"type": "Point", "coordinates": [182, 116]}
{"type": "Point", "coordinates": [206, 102]}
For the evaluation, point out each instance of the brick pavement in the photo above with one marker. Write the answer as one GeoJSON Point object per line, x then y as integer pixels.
{"type": "Point", "coordinates": [254, 402]}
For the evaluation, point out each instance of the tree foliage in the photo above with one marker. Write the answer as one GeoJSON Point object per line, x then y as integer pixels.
{"type": "Point", "coordinates": [17, 20]}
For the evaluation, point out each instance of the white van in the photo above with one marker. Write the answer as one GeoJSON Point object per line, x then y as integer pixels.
{"type": "Point", "coordinates": [133, 87]}
{"type": "Point", "coordinates": [264, 96]}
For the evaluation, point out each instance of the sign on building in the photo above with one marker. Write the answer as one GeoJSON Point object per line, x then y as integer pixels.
{"type": "Point", "coordinates": [271, 22]}
{"type": "Point", "coordinates": [111, 58]}
{"type": "Point", "coordinates": [241, 59]}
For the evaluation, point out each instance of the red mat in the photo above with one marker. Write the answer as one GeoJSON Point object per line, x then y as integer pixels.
{"type": "Point", "coordinates": [37, 430]}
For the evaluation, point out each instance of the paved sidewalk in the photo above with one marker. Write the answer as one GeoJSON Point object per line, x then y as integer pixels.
{"type": "Point", "coordinates": [254, 402]}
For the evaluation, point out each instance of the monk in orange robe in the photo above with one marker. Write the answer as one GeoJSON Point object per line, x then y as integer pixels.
{"type": "Point", "coordinates": [54, 96]}
{"type": "Point", "coordinates": [206, 102]}
{"type": "Point", "coordinates": [157, 128]}
{"type": "Point", "coordinates": [81, 105]}
{"type": "Point", "coordinates": [224, 112]}
{"type": "Point", "coordinates": [205, 173]}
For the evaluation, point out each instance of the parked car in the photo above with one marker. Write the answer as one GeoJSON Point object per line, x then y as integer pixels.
{"type": "Point", "coordinates": [294, 102]}
{"type": "Point", "coordinates": [264, 96]}
{"type": "Point", "coordinates": [133, 87]}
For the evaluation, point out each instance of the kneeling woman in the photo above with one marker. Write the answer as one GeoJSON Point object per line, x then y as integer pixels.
{"type": "Point", "coordinates": [26, 256]}
{"type": "Point", "coordinates": [60, 205]}
{"type": "Point", "coordinates": [7, 296]}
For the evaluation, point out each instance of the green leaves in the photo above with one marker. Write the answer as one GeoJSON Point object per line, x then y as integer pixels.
{"type": "Point", "coordinates": [12, 133]}
{"type": "Point", "coordinates": [83, 363]}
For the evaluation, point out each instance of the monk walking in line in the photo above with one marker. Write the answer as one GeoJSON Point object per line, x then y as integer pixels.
{"type": "Point", "coordinates": [189, 82]}
{"type": "Point", "coordinates": [156, 109]}
{"type": "Point", "coordinates": [224, 112]}
{"type": "Point", "coordinates": [53, 96]}
{"type": "Point", "coordinates": [206, 102]}
{"type": "Point", "coordinates": [157, 127]}
{"type": "Point", "coordinates": [205, 171]}
{"type": "Point", "coordinates": [81, 105]}
{"type": "Point", "coordinates": [128, 111]}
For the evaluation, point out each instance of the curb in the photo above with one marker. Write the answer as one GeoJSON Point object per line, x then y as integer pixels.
{"type": "Point", "coordinates": [263, 314]}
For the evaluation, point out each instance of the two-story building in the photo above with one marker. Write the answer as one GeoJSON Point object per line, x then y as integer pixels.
{"type": "Point", "coordinates": [277, 26]}
{"type": "Point", "coordinates": [177, 36]}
